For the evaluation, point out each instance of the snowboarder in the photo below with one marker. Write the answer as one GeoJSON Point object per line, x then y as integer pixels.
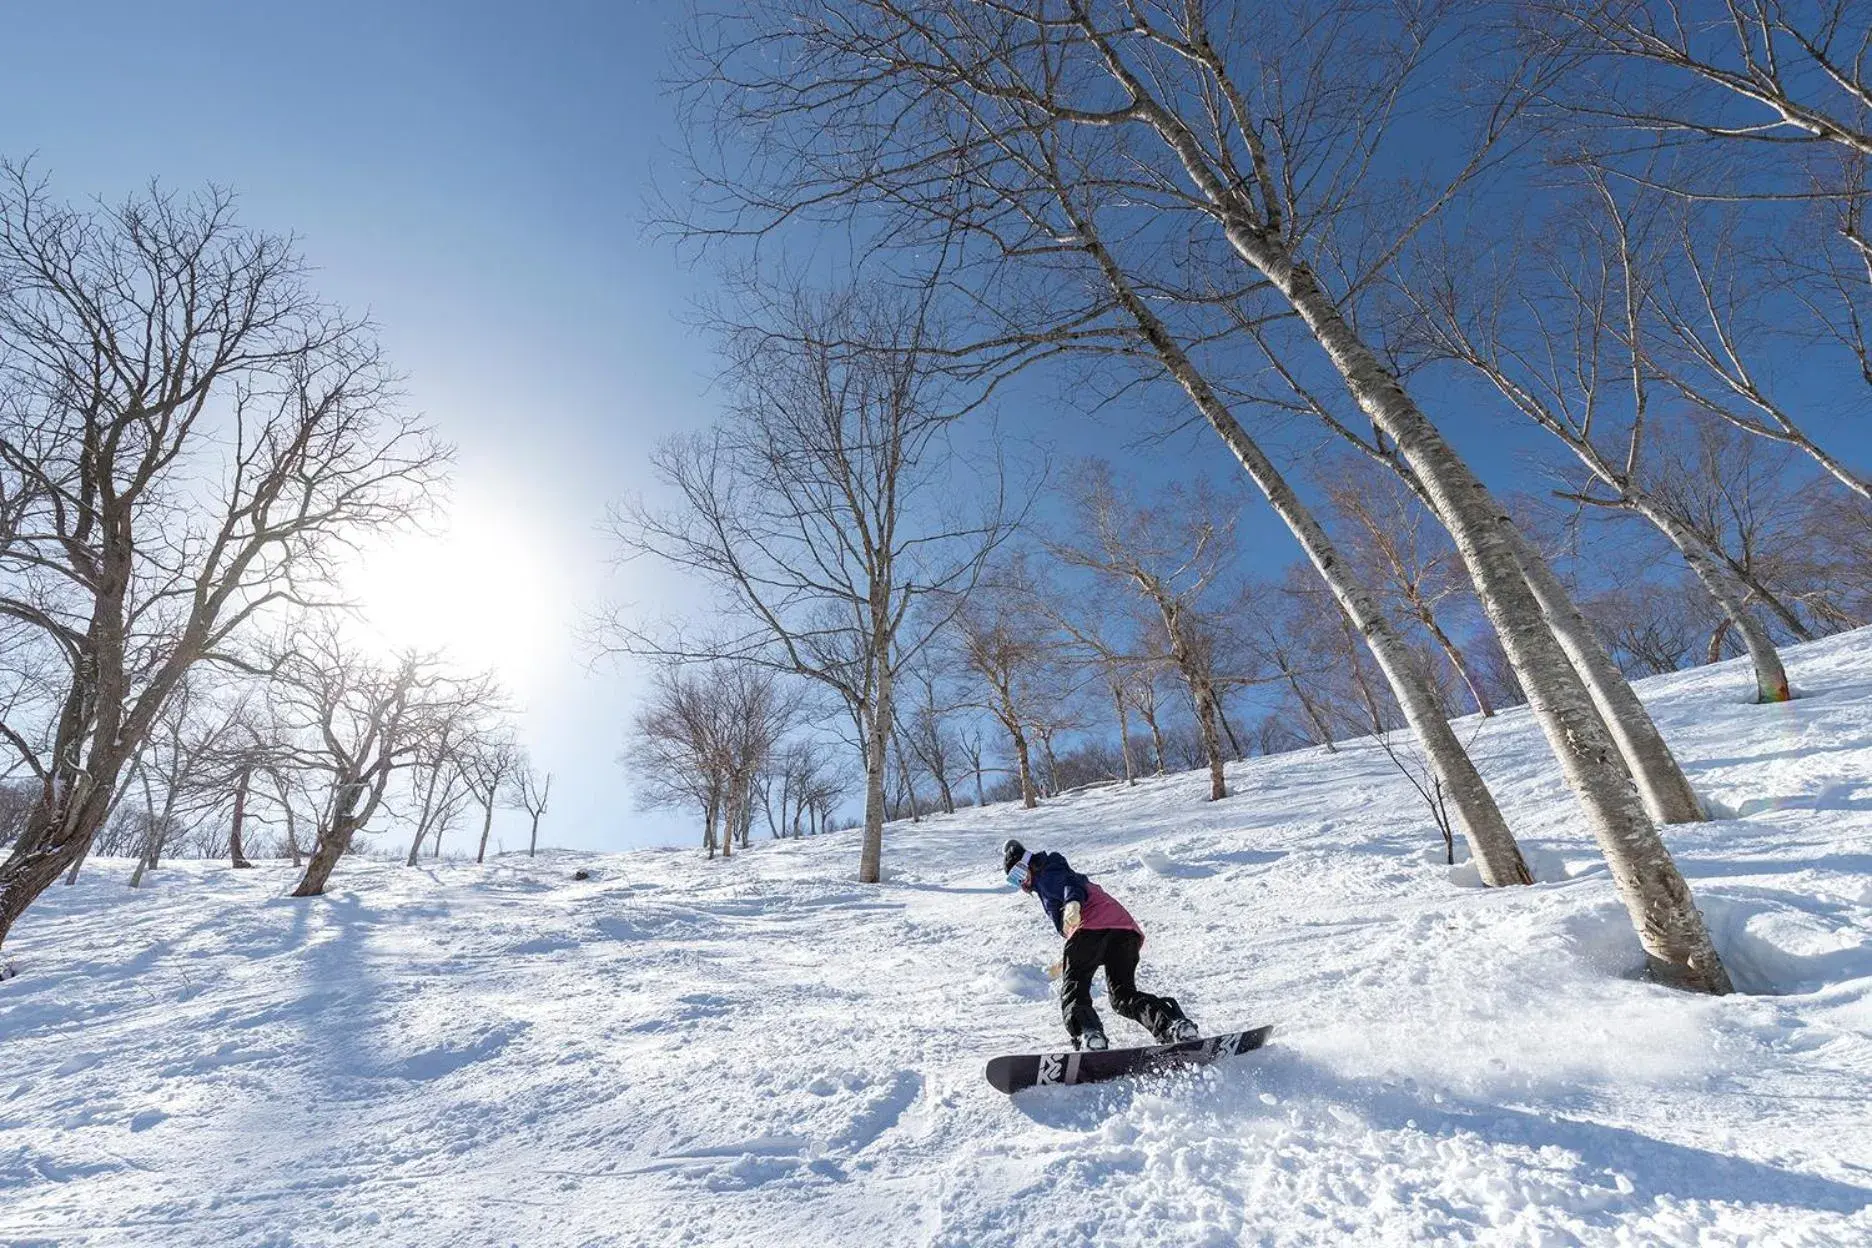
{"type": "Point", "coordinates": [1099, 933]}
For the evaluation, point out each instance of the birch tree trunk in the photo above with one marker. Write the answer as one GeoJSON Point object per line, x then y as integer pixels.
{"type": "Point", "coordinates": [236, 855]}
{"type": "Point", "coordinates": [1228, 730]}
{"type": "Point", "coordinates": [909, 781]}
{"type": "Point", "coordinates": [947, 794]}
{"type": "Point", "coordinates": [1206, 711]}
{"type": "Point", "coordinates": [1497, 856]}
{"type": "Point", "coordinates": [1771, 682]}
{"type": "Point", "coordinates": [1321, 729]}
{"type": "Point", "coordinates": [1676, 942]}
{"type": "Point", "coordinates": [1030, 797]}
{"type": "Point", "coordinates": [1754, 587]}
{"type": "Point", "coordinates": [1662, 785]}
{"type": "Point", "coordinates": [1455, 655]}
{"type": "Point", "coordinates": [881, 712]}
{"type": "Point", "coordinates": [487, 825]}
{"type": "Point", "coordinates": [1124, 733]}
{"type": "Point", "coordinates": [1148, 710]}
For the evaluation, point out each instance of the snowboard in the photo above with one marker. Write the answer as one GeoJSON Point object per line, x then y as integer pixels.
{"type": "Point", "coordinates": [1033, 1070]}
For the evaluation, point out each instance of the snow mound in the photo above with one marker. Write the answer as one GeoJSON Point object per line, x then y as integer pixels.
{"type": "Point", "coordinates": [1788, 945]}
{"type": "Point", "coordinates": [1023, 982]}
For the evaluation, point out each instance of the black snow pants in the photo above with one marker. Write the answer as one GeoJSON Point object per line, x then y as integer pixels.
{"type": "Point", "coordinates": [1116, 950]}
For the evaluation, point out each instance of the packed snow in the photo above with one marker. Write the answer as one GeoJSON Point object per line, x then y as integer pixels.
{"type": "Point", "coordinates": [762, 1052]}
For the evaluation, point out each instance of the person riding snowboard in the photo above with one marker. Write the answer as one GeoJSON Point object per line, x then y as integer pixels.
{"type": "Point", "coordinates": [1099, 933]}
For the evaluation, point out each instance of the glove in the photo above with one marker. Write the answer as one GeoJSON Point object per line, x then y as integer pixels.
{"type": "Point", "coordinates": [1069, 919]}
{"type": "Point", "coordinates": [1056, 970]}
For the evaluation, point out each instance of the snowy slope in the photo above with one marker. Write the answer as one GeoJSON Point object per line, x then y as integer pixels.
{"type": "Point", "coordinates": [761, 1052]}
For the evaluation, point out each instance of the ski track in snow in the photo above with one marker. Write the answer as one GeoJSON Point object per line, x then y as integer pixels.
{"type": "Point", "coordinates": [762, 1052]}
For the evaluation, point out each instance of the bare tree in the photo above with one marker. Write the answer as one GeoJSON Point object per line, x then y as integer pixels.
{"type": "Point", "coordinates": [1750, 506]}
{"type": "Point", "coordinates": [1096, 640]}
{"type": "Point", "coordinates": [928, 732]}
{"type": "Point", "coordinates": [705, 735]}
{"type": "Point", "coordinates": [1572, 352]}
{"type": "Point", "coordinates": [823, 512]}
{"type": "Point", "coordinates": [179, 762]}
{"type": "Point", "coordinates": [358, 723]}
{"type": "Point", "coordinates": [1172, 555]}
{"type": "Point", "coordinates": [190, 432]}
{"type": "Point", "coordinates": [1652, 629]}
{"type": "Point", "coordinates": [1765, 74]}
{"type": "Point", "coordinates": [1762, 104]}
{"type": "Point", "coordinates": [1724, 313]}
{"type": "Point", "coordinates": [972, 741]}
{"type": "Point", "coordinates": [1840, 528]}
{"type": "Point", "coordinates": [533, 791]}
{"type": "Point", "coordinates": [806, 783]}
{"type": "Point", "coordinates": [251, 749]}
{"type": "Point", "coordinates": [1003, 648]}
{"type": "Point", "coordinates": [1141, 693]}
{"type": "Point", "coordinates": [673, 752]}
{"type": "Point", "coordinates": [440, 785]}
{"type": "Point", "coordinates": [1271, 620]}
{"type": "Point", "coordinates": [489, 766]}
{"type": "Point", "coordinates": [1416, 565]}
{"type": "Point", "coordinates": [1055, 712]}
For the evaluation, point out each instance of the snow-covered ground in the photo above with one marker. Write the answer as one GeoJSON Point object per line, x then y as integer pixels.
{"type": "Point", "coordinates": [761, 1052]}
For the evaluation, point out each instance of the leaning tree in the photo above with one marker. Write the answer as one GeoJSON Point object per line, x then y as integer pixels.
{"type": "Point", "coordinates": [356, 722]}
{"type": "Point", "coordinates": [824, 511]}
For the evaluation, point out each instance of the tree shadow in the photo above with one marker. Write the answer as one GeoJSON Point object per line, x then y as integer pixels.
{"type": "Point", "coordinates": [1719, 868]}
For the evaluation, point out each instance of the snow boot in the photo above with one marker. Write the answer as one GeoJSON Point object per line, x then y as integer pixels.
{"type": "Point", "coordinates": [1091, 1042]}
{"type": "Point", "coordinates": [1167, 1022]}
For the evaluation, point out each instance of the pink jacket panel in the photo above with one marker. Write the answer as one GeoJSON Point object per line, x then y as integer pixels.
{"type": "Point", "coordinates": [1101, 912]}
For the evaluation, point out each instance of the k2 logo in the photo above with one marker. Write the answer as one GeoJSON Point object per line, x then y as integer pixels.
{"type": "Point", "coordinates": [1052, 1068]}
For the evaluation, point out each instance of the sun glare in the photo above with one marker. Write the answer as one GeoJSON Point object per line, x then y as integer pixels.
{"type": "Point", "coordinates": [483, 589]}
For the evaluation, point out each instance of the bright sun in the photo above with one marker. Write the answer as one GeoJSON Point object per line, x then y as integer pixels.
{"type": "Point", "coordinates": [484, 589]}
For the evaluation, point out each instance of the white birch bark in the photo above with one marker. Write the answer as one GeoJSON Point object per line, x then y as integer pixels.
{"type": "Point", "coordinates": [1673, 934]}
{"type": "Point", "coordinates": [882, 712]}
{"type": "Point", "coordinates": [1665, 790]}
{"type": "Point", "coordinates": [1771, 682]}
{"type": "Point", "coordinates": [1497, 856]}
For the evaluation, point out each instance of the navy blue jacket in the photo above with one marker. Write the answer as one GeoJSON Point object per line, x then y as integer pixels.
{"type": "Point", "coordinates": [1055, 883]}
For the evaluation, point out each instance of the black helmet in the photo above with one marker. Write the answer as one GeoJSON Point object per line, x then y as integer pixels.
{"type": "Point", "coordinates": [1011, 853]}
